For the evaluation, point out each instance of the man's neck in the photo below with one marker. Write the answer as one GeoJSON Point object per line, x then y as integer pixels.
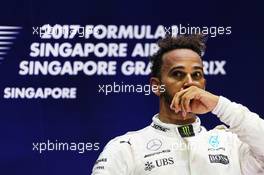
{"type": "Point", "coordinates": [166, 115]}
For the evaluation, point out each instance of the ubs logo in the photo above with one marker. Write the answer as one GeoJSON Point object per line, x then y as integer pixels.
{"type": "Point", "coordinates": [158, 163]}
{"type": "Point", "coordinates": [164, 162]}
{"type": "Point", "coordinates": [154, 144]}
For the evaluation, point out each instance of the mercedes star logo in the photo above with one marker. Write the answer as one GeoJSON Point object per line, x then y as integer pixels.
{"type": "Point", "coordinates": [154, 144]}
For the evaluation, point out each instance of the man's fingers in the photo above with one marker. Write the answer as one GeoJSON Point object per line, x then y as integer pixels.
{"type": "Point", "coordinates": [186, 99]}
{"type": "Point", "coordinates": [186, 104]}
{"type": "Point", "coordinates": [172, 104]}
{"type": "Point", "coordinates": [177, 100]}
{"type": "Point", "coordinates": [183, 109]}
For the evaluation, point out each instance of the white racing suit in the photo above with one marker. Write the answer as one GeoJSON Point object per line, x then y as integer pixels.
{"type": "Point", "coordinates": [168, 149]}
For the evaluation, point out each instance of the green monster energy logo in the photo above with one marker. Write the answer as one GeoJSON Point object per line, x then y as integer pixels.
{"type": "Point", "coordinates": [186, 130]}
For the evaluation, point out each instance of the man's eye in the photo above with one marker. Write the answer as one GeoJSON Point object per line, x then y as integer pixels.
{"type": "Point", "coordinates": [197, 75]}
{"type": "Point", "coordinates": [178, 74]}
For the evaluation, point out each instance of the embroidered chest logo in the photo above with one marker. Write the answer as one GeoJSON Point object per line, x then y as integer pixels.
{"type": "Point", "coordinates": [154, 144]}
{"type": "Point", "coordinates": [213, 141]}
{"type": "Point", "coordinates": [149, 165]}
{"type": "Point", "coordinates": [186, 131]}
{"type": "Point", "coordinates": [219, 158]}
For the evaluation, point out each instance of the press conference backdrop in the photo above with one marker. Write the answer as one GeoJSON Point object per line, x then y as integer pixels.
{"type": "Point", "coordinates": [75, 74]}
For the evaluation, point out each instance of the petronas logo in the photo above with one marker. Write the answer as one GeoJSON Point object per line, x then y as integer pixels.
{"type": "Point", "coordinates": [186, 130]}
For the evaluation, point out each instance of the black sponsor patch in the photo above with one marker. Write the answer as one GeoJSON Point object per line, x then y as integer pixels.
{"type": "Point", "coordinates": [218, 158]}
{"type": "Point", "coordinates": [186, 131]}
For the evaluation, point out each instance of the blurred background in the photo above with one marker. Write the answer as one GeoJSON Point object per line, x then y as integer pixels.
{"type": "Point", "coordinates": [34, 130]}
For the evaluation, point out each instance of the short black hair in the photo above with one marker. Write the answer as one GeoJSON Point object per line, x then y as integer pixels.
{"type": "Point", "coordinates": [194, 42]}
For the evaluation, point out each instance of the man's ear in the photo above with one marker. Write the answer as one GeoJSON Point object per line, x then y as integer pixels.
{"type": "Point", "coordinates": [155, 85]}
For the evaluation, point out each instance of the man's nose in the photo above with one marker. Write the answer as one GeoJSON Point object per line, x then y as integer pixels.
{"type": "Point", "coordinates": [189, 82]}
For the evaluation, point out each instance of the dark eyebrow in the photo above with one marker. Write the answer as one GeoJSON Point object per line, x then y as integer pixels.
{"type": "Point", "coordinates": [182, 67]}
{"type": "Point", "coordinates": [198, 67]}
{"type": "Point", "coordinates": [175, 68]}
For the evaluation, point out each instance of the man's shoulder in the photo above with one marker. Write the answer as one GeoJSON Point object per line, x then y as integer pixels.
{"type": "Point", "coordinates": [222, 131]}
{"type": "Point", "coordinates": [129, 137]}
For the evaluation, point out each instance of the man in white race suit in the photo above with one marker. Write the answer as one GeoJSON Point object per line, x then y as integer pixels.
{"type": "Point", "coordinates": [175, 143]}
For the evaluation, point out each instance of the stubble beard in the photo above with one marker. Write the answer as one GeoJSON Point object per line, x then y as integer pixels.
{"type": "Point", "coordinates": [167, 97]}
